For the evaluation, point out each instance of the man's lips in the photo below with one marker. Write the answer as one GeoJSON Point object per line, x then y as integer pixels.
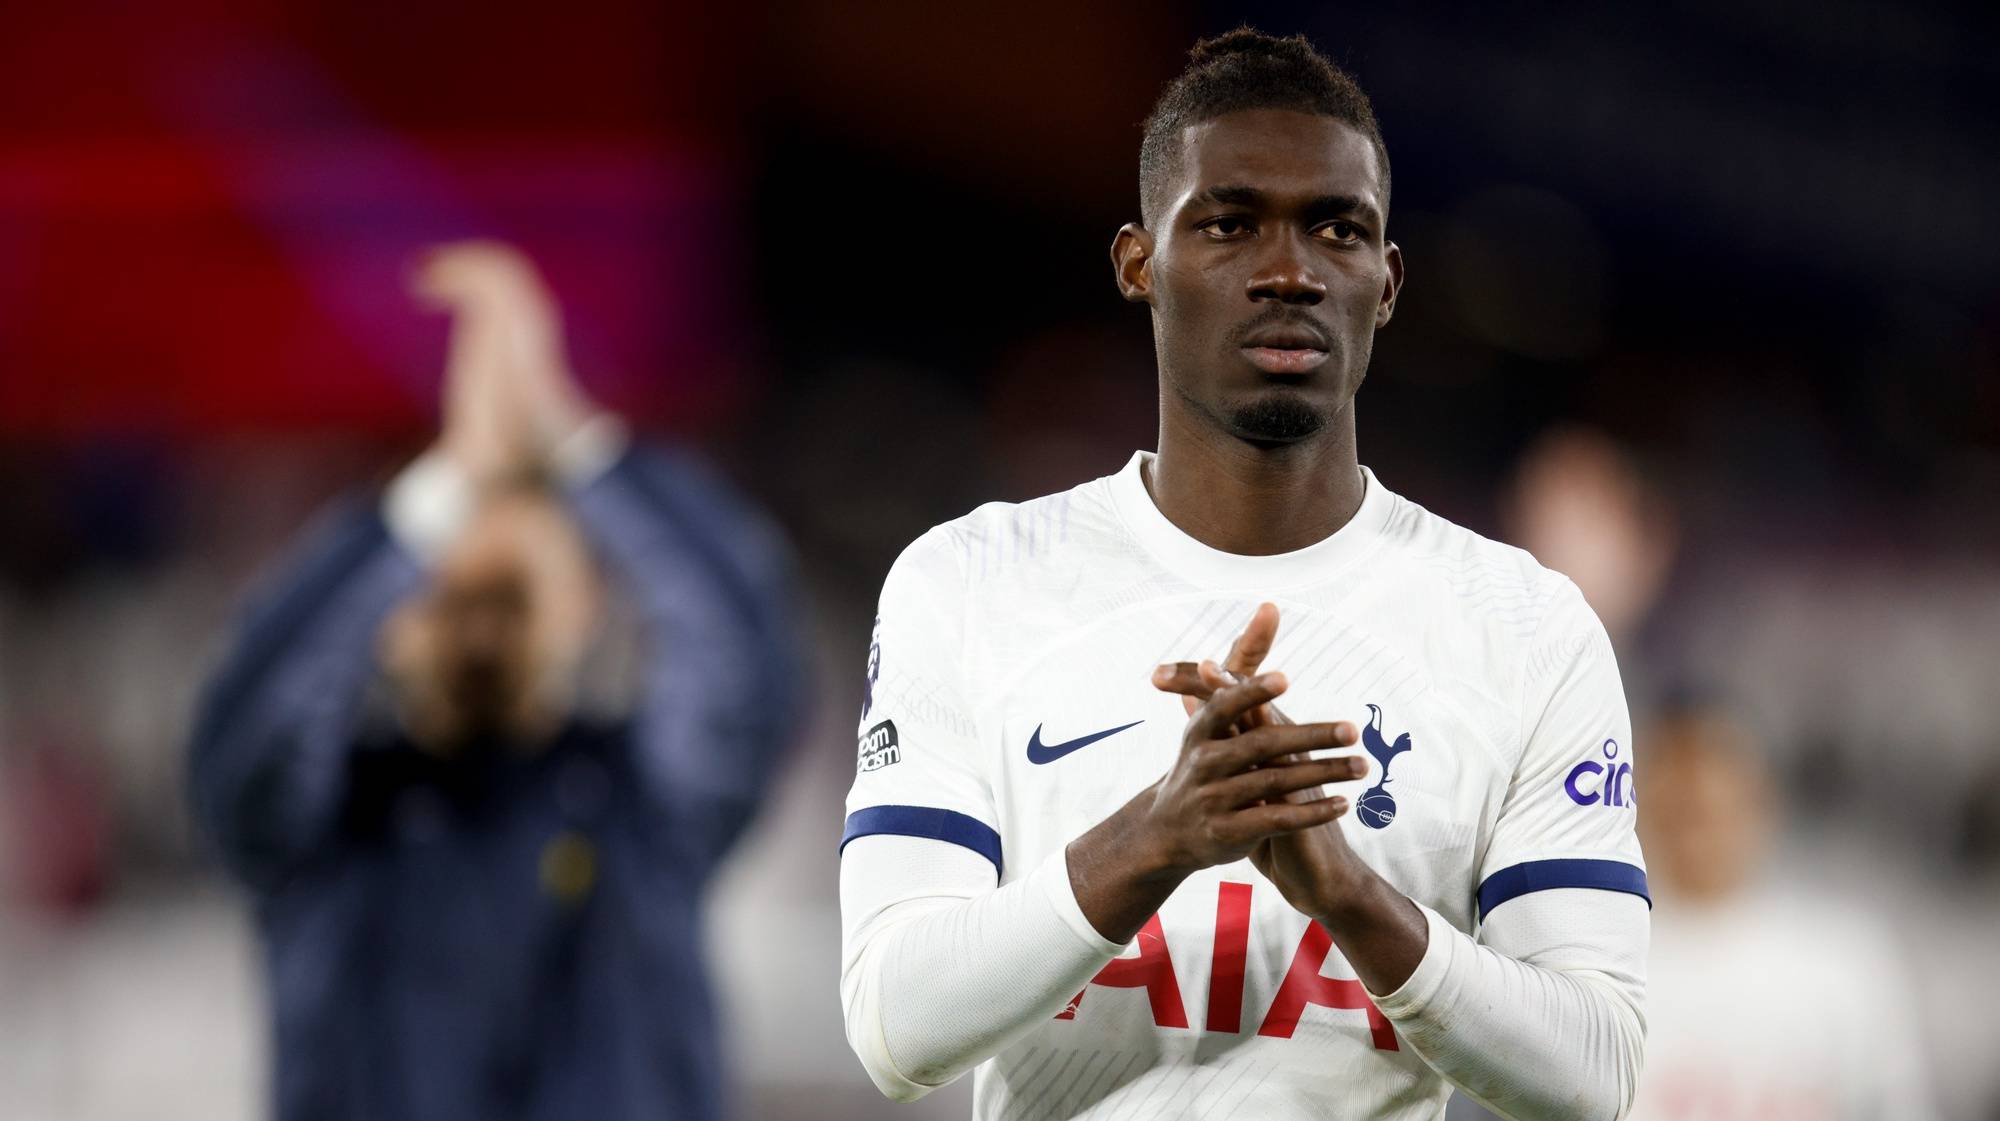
{"type": "Point", "coordinates": [1285, 360]}
{"type": "Point", "coordinates": [1289, 347]}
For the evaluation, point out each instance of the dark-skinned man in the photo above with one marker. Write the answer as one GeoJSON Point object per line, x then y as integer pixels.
{"type": "Point", "coordinates": [1114, 878]}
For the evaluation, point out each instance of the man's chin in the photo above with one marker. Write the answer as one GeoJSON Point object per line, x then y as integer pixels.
{"type": "Point", "coordinates": [468, 728]}
{"type": "Point", "coordinates": [1281, 417]}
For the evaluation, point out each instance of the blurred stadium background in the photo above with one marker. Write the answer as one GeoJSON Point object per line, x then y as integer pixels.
{"type": "Point", "coordinates": [858, 254]}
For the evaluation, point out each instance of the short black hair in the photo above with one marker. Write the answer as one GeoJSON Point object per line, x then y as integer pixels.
{"type": "Point", "coordinates": [1247, 69]}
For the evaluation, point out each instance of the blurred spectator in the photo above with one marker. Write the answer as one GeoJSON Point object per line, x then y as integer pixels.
{"type": "Point", "coordinates": [479, 899]}
{"type": "Point", "coordinates": [1761, 1004]}
{"type": "Point", "coordinates": [1580, 506]}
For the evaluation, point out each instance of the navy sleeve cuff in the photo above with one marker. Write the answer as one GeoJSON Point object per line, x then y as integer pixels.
{"type": "Point", "coordinates": [924, 821]}
{"type": "Point", "coordinates": [1542, 875]}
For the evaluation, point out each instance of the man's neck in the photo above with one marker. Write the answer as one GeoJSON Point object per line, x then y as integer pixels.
{"type": "Point", "coordinates": [1234, 496]}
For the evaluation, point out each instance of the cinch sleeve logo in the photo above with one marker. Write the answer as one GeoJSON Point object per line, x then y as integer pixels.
{"type": "Point", "coordinates": [1610, 782]}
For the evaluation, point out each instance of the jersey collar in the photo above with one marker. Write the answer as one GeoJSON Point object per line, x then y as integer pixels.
{"type": "Point", "coordinates": [1214, 568]}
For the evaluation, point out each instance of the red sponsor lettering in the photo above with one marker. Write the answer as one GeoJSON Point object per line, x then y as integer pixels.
{"type": "Point", "coordinates": [1232, 940]}
{"type": "Point", "coordinates": [1303, 985]}
{"type": "Point", "coordinates": [1153, 969]}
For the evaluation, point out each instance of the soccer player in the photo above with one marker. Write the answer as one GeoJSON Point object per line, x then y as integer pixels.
{"type": "Point", "coordinates": [1117, 881]}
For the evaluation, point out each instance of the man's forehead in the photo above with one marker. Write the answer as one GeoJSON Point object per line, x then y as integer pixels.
{"type": "Point", "coordinates": [1281, 152]}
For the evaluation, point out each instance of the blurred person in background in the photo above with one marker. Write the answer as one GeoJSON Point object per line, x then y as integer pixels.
{"type": "Point", "coordinates": [1766, 1004]}
{"type": "Point", "coordinates": [1763, 1004]}
{"type": "Point", "coordinates": [480, 900]}
{"type": "Point", "coordinates": [1581, 506]}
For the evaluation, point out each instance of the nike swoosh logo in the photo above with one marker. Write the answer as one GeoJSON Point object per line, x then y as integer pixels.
{"type": "Point", "coordinates": [1049, 753]}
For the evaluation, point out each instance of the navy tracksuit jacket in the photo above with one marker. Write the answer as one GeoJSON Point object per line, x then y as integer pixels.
{"type": "Point", "coordinates": [517, 938]}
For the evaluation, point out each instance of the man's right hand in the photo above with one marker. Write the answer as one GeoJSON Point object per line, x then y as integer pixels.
{"type": "Point", "coordinates": [509, 327]}
{"type": "Point", "coordinates": [485, 435]}
{"type": "Point", "coordinates": [1225, 794]}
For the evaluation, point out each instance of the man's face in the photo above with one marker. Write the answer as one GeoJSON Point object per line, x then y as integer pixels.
{"type": "Point", "coordinates": [482, 656]}
{"type": "Point", "coordinates": [1268, 271]}
{"type": "Point", "coordinates": [482, 607]}
{"type": "Point", "coordinates": [1708, 808]}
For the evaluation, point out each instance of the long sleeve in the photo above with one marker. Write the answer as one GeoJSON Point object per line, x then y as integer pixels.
{"type": "Point", "coordinates": [940, 970]}
{"type": "Point", "coordinates": [1543, 1018]}
{"type": "Point", "coordinates": [723, 678]}
{"type": "Point", "coordinates": [268, 755]}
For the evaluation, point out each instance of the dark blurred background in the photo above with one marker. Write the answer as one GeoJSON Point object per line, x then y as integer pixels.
{"type": "Point", "coordinates": [859, 254]}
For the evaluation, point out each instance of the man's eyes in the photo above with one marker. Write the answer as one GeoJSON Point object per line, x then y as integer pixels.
{"type": "Point", "coordinates": [1231, 226]}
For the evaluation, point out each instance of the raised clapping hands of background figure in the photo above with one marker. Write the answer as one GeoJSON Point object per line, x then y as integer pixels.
{"type": "Point", "coordinates": [1313, 867]}
{"type": "Point", "coordinates": [510, 399]}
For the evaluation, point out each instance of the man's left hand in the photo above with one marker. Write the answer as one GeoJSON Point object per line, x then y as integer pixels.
{"type": "Point", "coordinates": [1315, 869]}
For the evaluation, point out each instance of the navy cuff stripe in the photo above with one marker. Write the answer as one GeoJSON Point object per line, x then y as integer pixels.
{"type": "Point", "coordinates": [924, 821]}
{"type": "Point", "coordinates": [1541, 875]}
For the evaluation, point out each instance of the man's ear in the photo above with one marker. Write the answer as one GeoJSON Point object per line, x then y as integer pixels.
{"type": "Point", "coordinates": [1132, 262]}
{"type": "Point", "coordinates": [1393, 254]}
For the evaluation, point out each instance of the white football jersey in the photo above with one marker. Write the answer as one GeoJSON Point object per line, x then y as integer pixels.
{"type": "Point", "coordinates": [1010, 709]}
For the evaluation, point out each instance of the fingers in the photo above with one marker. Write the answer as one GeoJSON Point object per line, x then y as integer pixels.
{"type": "Point", "coordinates": [1258, 822]}
{"type": "Point", "coordinates": [1183, 678]}
{"type": "Point", "coordinates": [1213, 677]}
{"type": "Point", "coordinates": [1227, 706]}
{"type": "Point", "coordinates": [1198, 681]}
{"type": "Point", "coordinates": [1279, 783]}
{"type": "Point", "coordinates": [507, 354]}
{"type": "Point", "coordinates": [480, 431]}
{"type": "Point", "coordinates": [1273, 742]}
{"type": "Point", "coordinates": [1247, 655]}
{"type": "Point", "coordinates": [461, 273]}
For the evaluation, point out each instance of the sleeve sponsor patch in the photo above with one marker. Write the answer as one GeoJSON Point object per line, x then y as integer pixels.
{"type": "Point", "coordinates": [1609, 783]}
{"type": "Point", "coordinates": [878, 747]}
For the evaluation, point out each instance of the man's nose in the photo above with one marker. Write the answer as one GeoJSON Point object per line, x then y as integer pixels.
{"type": "Point", "coordinates": [1285, 274]}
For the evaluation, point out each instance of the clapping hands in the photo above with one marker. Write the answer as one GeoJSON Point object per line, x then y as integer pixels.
{"type": "Point", "coordinates": [510, 398]}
